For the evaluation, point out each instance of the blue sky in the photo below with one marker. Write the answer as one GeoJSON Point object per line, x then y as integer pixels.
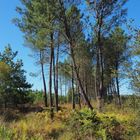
{"type": "Point", "coordinates": [10, 34]}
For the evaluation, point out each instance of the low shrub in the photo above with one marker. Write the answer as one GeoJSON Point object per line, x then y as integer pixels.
{"type": "Point", "coordinates": [87, 124]}
{"type": "Point", "coordinates": [72, 125]}
{"type": "Point", "coordinates": [5, 134]}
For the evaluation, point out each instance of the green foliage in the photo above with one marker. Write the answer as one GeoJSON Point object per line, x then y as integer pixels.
{"type": "Point", "coordinates": [5, 134]}
{"type": "Point", "coordinates": [34, 126]}
{"type": "Point", "coordinates": [72, 125]}
{"type": "Point", "coordinates": [134, 70]}
{"type": "Point", "coordinates": [84, 121]}
{"type": "Point", "coordinates": [36, 96]}
{"type": "Point", "coordinates": [86, 124]}
{"type": "Point", "coordinates": [13, 84]}
{"type": "Point", "coordinates": [131, 102]}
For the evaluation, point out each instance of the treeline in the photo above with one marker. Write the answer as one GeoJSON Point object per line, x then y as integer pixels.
{"type": "Point", "coordinates": [82, 42]}
{"type": "Point", "coordinates": [82, 47]}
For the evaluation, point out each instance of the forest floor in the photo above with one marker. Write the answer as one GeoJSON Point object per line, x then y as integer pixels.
{"type": "Point", "coordinates": [34, 123]}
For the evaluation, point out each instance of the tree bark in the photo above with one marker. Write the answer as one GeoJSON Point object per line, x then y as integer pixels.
{"type": "Point", "coordinates": [79, 97]}
{"type": "Point", "coordinates": [43, 78]}
{"type": "Point", "coordinates": [117, 84]}
{"type": "Point", "coordinates": [73, 92]}
{"type": "Point", "coordinates": [100, 69]}
{"type": "Point", "coordinates": [61, 90]}
{"type": "Point", "coordinates": [56, 76]}
{"type": "Point", "coordinates": [50, 76]}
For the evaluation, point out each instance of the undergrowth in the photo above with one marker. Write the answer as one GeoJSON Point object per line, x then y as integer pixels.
{"type": "Point", "coordinates": [73, 125]}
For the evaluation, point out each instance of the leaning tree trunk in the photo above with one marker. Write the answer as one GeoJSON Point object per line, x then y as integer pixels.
{"type": "Point", "coordinates": [70, 40]}
{"type": "Point", "coordinates": [78, 78]}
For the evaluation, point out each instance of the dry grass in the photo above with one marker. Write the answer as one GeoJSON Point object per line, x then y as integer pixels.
{"type": "Point", "coordinates": [39, 126]}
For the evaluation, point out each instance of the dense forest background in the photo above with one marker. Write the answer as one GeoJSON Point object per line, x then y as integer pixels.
{"type": "Point", "coordinates": [86, 51]}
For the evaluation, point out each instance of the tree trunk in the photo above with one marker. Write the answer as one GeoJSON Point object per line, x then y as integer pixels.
{"type": "Point", "coordinates": [98, 80]}
{"type": "Point", "coordinates": [117, 84]}
{"type": "Point", "coordinates": [5, 104]}
{"type": "Point", "coordinates": [79, 98]}
{"type": "Point", "coordinates": [99, 69]}
{"type": "Point", "coordinates": [61, 89]}
{"type": "Point", "coordinates": [73, 92]}
{"type": "Point", "coordinates": [114, 91]}
{"type": "Point", "coordinates": [56, 76]}
{"type": "Point", "coordinates": [79, 80]}
{"type": "Point", "coordinates": [43, 78]}
{"type": "Point", "coordinates": [50, 77]}
{"type": "Point", "coordinates": [65, 88]}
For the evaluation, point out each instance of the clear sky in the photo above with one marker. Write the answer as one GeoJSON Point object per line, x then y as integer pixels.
{"type": "Point", "coordinates": [10, 34]}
